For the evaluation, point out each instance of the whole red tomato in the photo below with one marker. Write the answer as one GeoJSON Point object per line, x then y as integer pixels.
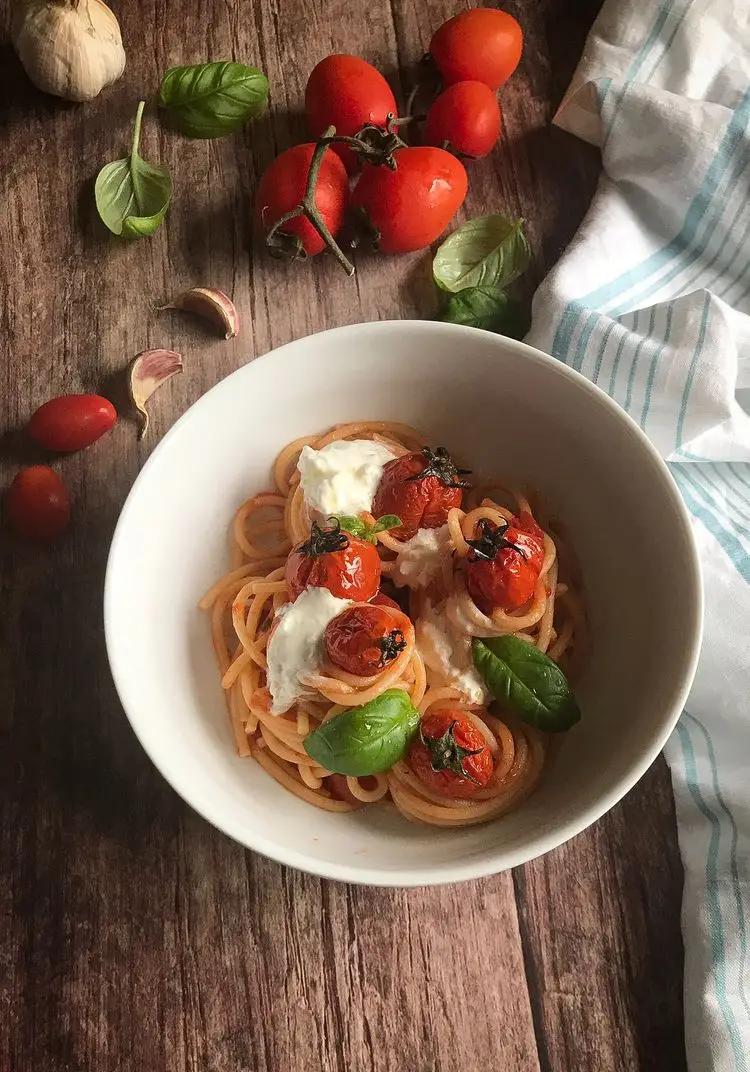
{"type": "Point", "coordinates": [38, 504]}
{"type": "Point", "coordinates": [71, 422]}
{"type": "Point", "coordinates": [348, 567]}
{"type": "Point", "coordinates": [482, 45]}
{"type": "Point", "coordinates": [420, 488]}
{"type": "Point", "coordinates": [365, 638]}
{"type": "Point", "coordinates": [410, 207]}
{"type": "Point", "coordinates": [282, 187]}
{"type": "Point", "coordinates": [504, 563]}
{"type": "Point", "coordinates": [467, 116]}
{"type": "Point", "coordinates": [347, 93]}
{"type": "Point", "coordinates": [450, 755]}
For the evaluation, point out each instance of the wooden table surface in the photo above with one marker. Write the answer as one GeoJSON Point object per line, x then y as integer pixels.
{"type": "Point", "coordinates": [133, 936]}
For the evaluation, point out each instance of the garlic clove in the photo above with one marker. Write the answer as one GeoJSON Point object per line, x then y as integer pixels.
{"type": "Point", "coordinates": [147, 372]}
{"type": "Point", "coordinates": [70, 48]}
{"type": "Point", "coordinates": [213, 305]}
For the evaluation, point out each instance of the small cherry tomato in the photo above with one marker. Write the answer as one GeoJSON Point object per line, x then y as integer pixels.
{"type": "Point", "coordinates": [482, 45]}
{"type": "Point", "coordinates": [38, 504]}
{"type": "Point", "coordinates": [450, 755]}
{"type": "Point", "coordinates": [382, 600]}
{"type": "Point", "coordinates": [410, 207]}
{"type": "Point", "coordinates": [364, 639]}
{"type": "Point", "coordinates": [347, 93]}
{"type": "Point", "coordinates": [348, 567]}
{"type": "Point", "coordinates": [465, 118]}
{"type": "Point", "coordinates": [282, 187]}
{"type": "Point", "coordinates": [420, 488]}
{"type": "Point", "coordinates": [504, 563]}
{"type": "Point", "coordinates": [71, 422]}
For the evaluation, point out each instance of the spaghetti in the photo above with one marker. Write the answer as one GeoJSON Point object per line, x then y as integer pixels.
{"type": "Point", "coordinates": [246, 602]}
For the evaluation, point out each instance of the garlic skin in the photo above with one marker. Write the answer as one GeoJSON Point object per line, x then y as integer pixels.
{"type": "Point", "coordinates": [69, 48]}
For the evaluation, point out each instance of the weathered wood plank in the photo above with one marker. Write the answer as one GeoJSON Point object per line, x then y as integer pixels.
{"type": "Point", "coordinates": [134, 936]}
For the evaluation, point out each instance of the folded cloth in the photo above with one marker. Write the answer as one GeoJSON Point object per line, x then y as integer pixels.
{"type": "Point", "coordinates": [651, 302]}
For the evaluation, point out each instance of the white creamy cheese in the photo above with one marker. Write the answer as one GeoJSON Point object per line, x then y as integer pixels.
{"type": "Point", "coordinates": [447, 652]}
{"type": "Point", "coordinates": [343, 476]}
{"type": "Point", "coordinates": [296, 644]}
{"type": "Point", "coordinates": [420, 558]}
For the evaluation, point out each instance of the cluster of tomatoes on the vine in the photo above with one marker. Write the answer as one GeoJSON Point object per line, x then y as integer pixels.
{"type": "Point", "coordinates": [403, 196]}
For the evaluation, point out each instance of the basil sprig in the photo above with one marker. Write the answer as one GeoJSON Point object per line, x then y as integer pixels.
{"type": "Point", "coordinates": [365, 740]}
{"type": "Point", "coordinates": [359, 528]}
{"type": "Point", "coordinates": [525, 679]}
{"type": "Point", "coordinates": [131, 195]}
{"type": "Point", "coordinates": [209, 100]}
{"type": "Point", "coordinates": [486, 251]}
{"type": "Point", "coordinates": [485, 307]}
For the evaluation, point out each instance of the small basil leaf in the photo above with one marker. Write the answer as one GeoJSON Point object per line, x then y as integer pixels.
{"type": "Point", "coordinates": [132, 196]}
{"type": "Point", "coordinates": [355, 525]}
{"type": "Point", "coordinates": [487, 251]}
{"type": "Point", "coordinates": [485, 307]}
{"type": "Point", "coordinates": [209, 100]}
{"type": "Point", "coordinates": [387, 521]}
{"type": "Point", "coordinates": [526, 680]}
{"type": "Point", "coordinates": [365, 740]}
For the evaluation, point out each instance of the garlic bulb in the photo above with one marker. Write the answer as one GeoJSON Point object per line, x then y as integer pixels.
{"type": "Point", "coordinates": [70, 48]}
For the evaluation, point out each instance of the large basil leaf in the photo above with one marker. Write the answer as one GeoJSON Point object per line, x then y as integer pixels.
{"type": "Point", "coordinates": [209, 100]}
{"type": "Point", "coordinates": [487, 251]}
{"type": "Point", "coordinates": [485, 307]}
{"type": "Point", "coordinates": [526, 680]}
{"type": "Point", "coordinates": [365, 740]}
{"type": "Point", "coordinates": [131, 195]}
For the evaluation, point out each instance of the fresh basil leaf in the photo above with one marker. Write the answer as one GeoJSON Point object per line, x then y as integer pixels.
{"type": "Point", "coordinates": [354, 525]}
{"type": "Point", "coordinates": [487, 251]}
{"type": "Point", "coordinates": [387, 521]}
{"type": "Point", "coordinates": [485, 307]}
{"type": "Point", "coordinates": [526, 680]}
{"type": "Point", "coordinates": [357, 527]}
{"type": "Point", "coordinates": [365, 740]}
{"type": "Point", "coordinates": [209, 100]}
{"type": "Point", "coordinates": [131, 195]}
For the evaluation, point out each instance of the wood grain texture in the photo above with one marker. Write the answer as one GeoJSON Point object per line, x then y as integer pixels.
{"type": "Point", "coordinates": [132, 935]}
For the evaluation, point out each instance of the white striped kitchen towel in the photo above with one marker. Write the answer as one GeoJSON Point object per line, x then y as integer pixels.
{"type": "Point", "coordinates": [652, 302]}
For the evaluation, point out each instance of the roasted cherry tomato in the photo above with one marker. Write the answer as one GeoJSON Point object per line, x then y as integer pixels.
{"type": "Point", "coordinates": [38, 504]}
{"type": "Point", "coordinates": [364, 639]}
{"type": "Point", "coordinates": [504, 564]}
{"type": "Point", "coordinates": [465, 118]}
{"type": "Point", "coordinates": [420, 488]}
{"type": "Point", "coordinates": [450, 755]}
{"type": "Point", "coordinates": [382, 600]}
{"type": "Point", "coordinates": [347, 93]}
{"type": "Point", "coordinates": [480, 45]}
{"type": "Point", "coordinates": [282, 187]}
{"type": "Point", "coordinates": [349, 568]}
{"type": "Point", "coordinates": [410, 207]}
{"type": "Point", "coordinates": [71, 422]}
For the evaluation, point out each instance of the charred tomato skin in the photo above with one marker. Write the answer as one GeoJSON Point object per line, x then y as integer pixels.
{"type": "Point", "coordinates": [448, 743]}
{"type": "Point", "coordinates": [366, 638]}
{"type": "Point", "coordinates": [507, 580]}
{"type": "Point", "coordinates": [421, 501]}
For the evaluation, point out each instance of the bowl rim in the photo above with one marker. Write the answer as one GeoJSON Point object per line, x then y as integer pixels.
{"type": "Point", "coordinates": [494, 861]}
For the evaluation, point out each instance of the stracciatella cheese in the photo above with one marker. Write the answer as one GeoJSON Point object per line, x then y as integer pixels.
{"type": "Point", "coordinates": [342, 477]}
{"type": "Point", "coordinates": [296, 644]}
{"type": "Point", "coordinates": [447, 652]}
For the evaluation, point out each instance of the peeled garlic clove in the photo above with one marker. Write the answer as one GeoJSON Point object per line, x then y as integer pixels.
{"type": "Point", "coordinates": [213, 305]}
{"type": "Point", "coordinates": [70, 48]}
{"type": "Point", "coordinates": [147, 371]}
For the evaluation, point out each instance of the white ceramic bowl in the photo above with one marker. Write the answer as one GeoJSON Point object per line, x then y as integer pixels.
{"type": "Point", "coordinates": [506, 408]}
